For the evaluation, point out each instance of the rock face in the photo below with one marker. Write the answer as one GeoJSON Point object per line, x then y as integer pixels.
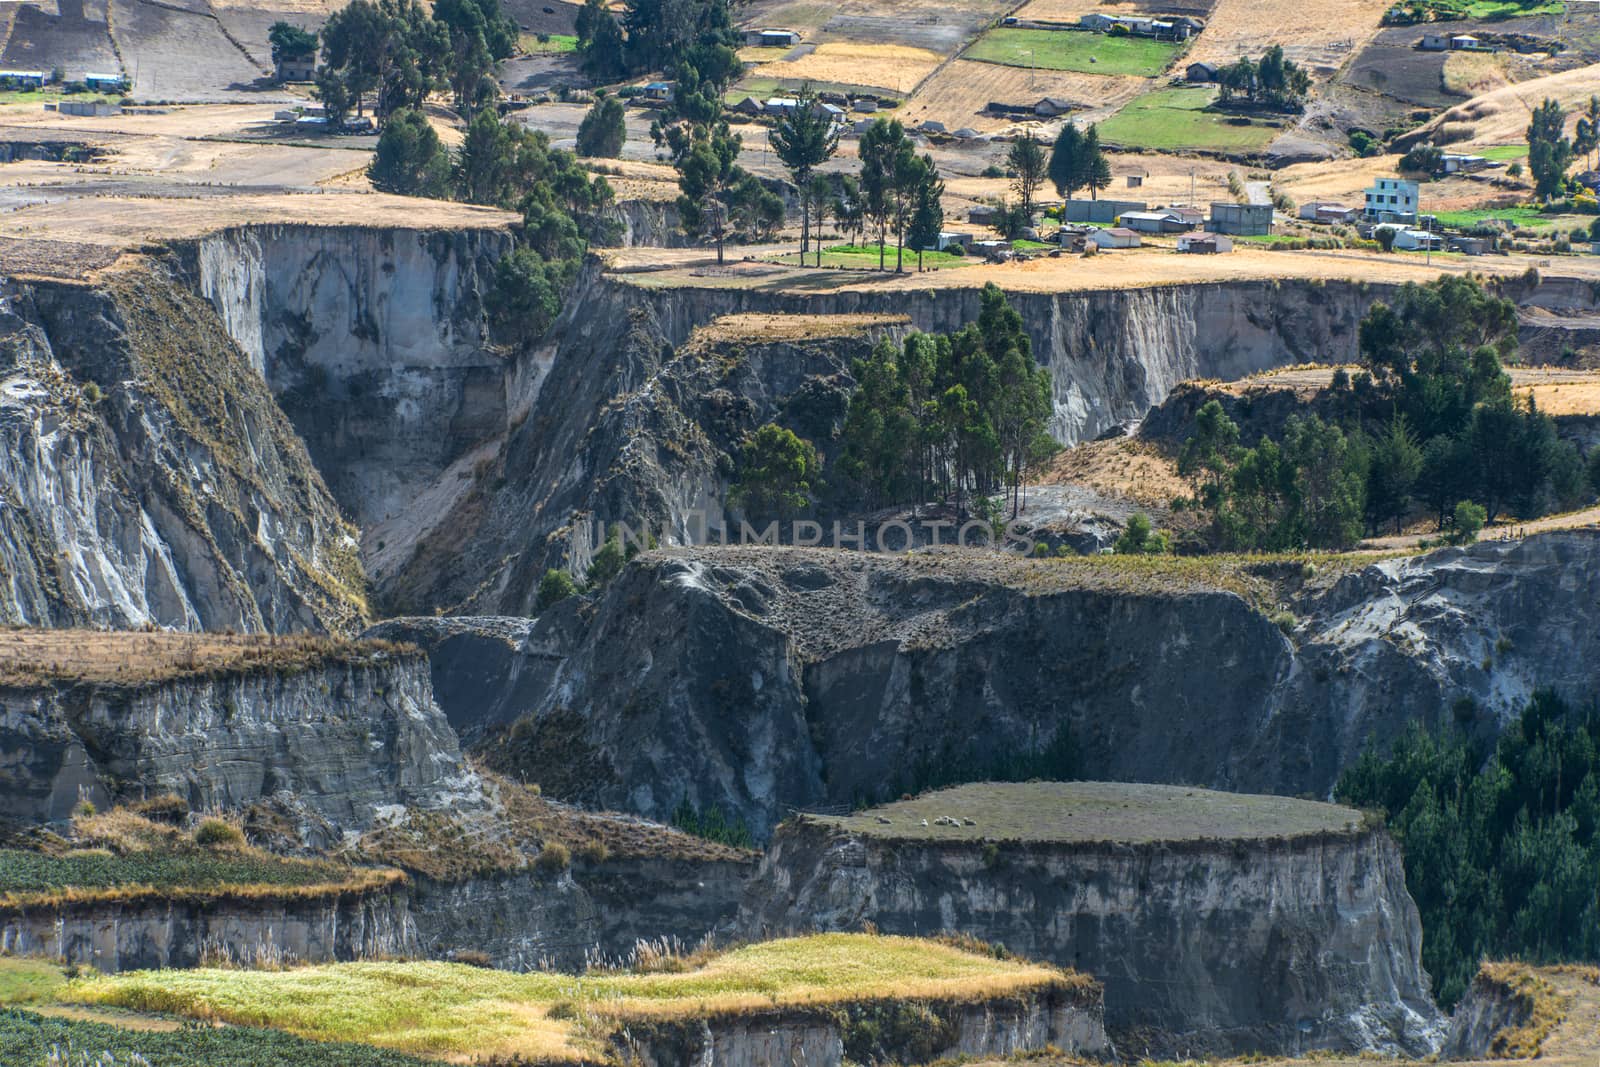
{"type": "Point", "coordinates": [757, 679]}
{"type": "Point", "coordinates": [626, 442]}
{"type": "Point", "coordinates": [114, 938]}
{"type": "Point", "coordinates": [374, 343]}
{"type": "Point", "coordinates": [588, 914]}
{"type": "Point", "coordinates": [147, 477]}
{"type": "Point", "coordinates": [1213, 947]}
{"type": "Point", "coordinates": [332, 744]}
{"type": "Point", "coordinates": [1069, 1020]}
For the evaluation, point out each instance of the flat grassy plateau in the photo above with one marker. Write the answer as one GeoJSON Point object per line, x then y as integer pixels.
{"type": "Point", "coordinates": [1081, 812]}
{"type": "Point", "coordinates": [452, 1010]}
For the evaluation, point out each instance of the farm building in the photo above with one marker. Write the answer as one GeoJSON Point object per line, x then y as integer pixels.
{"type": "Point", "coordinates": [967, 133]}
{"type": "Point", "coordinates": [780, 105]}
{"type": "Point", "coordinates": [1201, 73]}
{"type": "Point", "coordinates": [1155, 222]}
{"type": "Point", "coordinates": [658, 91]}
{"type": "Point", "coordinates": [1116, 237]}
{"type": "Point", "coordinates": [933, 126]}
{"type": "Point", "coordinates": [1433, 42]}
{"type": "Point", "coordinates": [947, 238]}
{"type": "Point", "coordinates": [748, 106]}
{"type": "Point", "coordinates": [1409, 240]}
{"type": "Point", "coordinates": [89, 108]}
{"type": "Point", "coordinates": [1327, 212]}
{"type": "Point", "coordinates": [771, 38]}
{"type": "Point", "coordinates": [106, 83]}
{"type": "Point", "coordinates": [1464, 42]}
{"type": "Point", "coordinates": [301, 67]}
{"type": "Point", "coordinates": [1205, 244]}
{"type": "Point", "coordinates": [1470, 246]}
{"type": "Point", "coordinates": [982, 214]}
{"type": "Point", "coordinates": [31, 79]}
{"type": "Point", "coordinates": [998, 251]}
{"type": "Point", "coordinates": [1100, 211]}
{"type": "Point", "coordinates": [1456, 162]}
{"type": "Point", "coordinates": [1240, 220]}
{"type": "Point", "coordinates": [1392, 200]}
{"type": "Point", "coordinates": [1051, 106]}
{"type": "Point", "coordinates": [865, 104]}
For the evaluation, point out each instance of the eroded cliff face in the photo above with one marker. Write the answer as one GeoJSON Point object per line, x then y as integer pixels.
{"type": "Point", "coordinates": [644, 414]}
{"type": "Point", "coordinates": [373, 341]}
{"type": "Point", "coordinates": [246, 933]}
{"type": "Point", "coordinates": [757, 679]}
{"type": "Point", "coordinates": [147, 477]}
{"type": "Point", "coordinates": [329, 746]}
{"type": "Point", "coordinates": [1204, 947]}
{"type": "Point", "coordinates": [588, 914]}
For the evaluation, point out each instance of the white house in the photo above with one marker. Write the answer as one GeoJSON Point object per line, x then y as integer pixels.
{"type": "Point", "coordinates": [954, 237]}
{"type": "Point", "coordinates": [1154, 221]}
{"type": "Point", "coordinates": [1116, 237]}
{"type": "Point", "coordinates": [1392, 200]}
{"type": "Point", "coordinates": [1409, 240]}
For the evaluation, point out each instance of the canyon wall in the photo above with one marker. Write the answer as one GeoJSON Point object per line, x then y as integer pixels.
{"type": "Point", "coordinates": [373, 341]}
{"type": "Point", "coordinates": [757, 679]}
{"type": "Point", "coordinates": [147, 477]}
{"type": "Point", "coordinates": [1212, 947]}
{"type": "Point", "coordinates": [249, 933]}
{"type": "Point", "coordinates": [330, 744]}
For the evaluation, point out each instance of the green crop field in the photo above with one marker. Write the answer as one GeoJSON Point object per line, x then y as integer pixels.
{"type": "Point", "coordinates": [1521, 217]}
{"type": "Point", "coordinates": [1074, 50]}
{"type": "Point", "coordinates": [445, 1009]}
{"type": "Point", "coordinates": [1505, 153]}
{"type": "Point", "coordinates": [866, 257]}
{"type": "Point", "coordinates": [1177, 119]}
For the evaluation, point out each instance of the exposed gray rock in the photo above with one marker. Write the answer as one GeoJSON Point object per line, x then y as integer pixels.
{"type": "Point", "coordinates": [129, 937]}
{"type": "Point", "coordinates": [758, 679]}
{"type": "Point", "coordinates": [590, 913]}
{"type": "Point", "coordinates": [334, 743]}
{"type": "Point", "coordinates": [476, 664]}
{"type": "Point", "coordinates": [146, 476]}
{"type": "Point", "coordinates": [1490, 1007]}
{"type": "Point", "coordinates": [1206, 947]}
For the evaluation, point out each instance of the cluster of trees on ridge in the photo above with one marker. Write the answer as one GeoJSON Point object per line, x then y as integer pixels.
{"type": "Point", "coordinates": [1427, 425]}
{"type": "Point", "coordinates": [1502, 847]}
{"type": "Point", "coordinates": [955, 417]}
{"type": "Point", "coordinates": [1271, 81]}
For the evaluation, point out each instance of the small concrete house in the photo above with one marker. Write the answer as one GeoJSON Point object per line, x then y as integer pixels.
{"type": "Point", "coordinates": [1157, 221]}
{"type": "Point", "coordinates": [1409, 240]}
{"type": "Point", "coordinates": [1470, 246]}
{"type": "Point", "coordinates": [1240, 220]}
{"type": "Point", "coordinates": [106, 83]}
{"type": "Point", "coordinates": [1327, 212]}
{"type": "Point", "coordinates": [1434, 42]}
{"type": "Point", "coordinates": [1205, 244]}
{"type": "Point", "coordinates": [1456, 162]}
{"type": "Point", "coordinates": [982, 214]}
{"type": "Point", "coordinates": [1051, 106]}
{"type": "Point", "coordinates": [1201, 73]}
{"type": "Point", "coordinates": [31, 79]}
{"type": "Point", "coordinates": [947, 238]}
{"type": "Point", "coordinates": [1392, 200]}
{"type": "Point", "coordinates": [1465, 41]}
{"type": "Point", "coordinates": [301, 67]}
{"type": "Point", "coordinates": [658, 91]}
{"type": "Point", "coordinates": [780, 105]}
{"type": "Point", "coordinates": [1115, 237]}
{"type": "Point", "coordinates": [748, 106]}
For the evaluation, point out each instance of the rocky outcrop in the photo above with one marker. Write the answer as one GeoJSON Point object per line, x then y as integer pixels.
{"type": "Point", "coordinates": [588, 914]}
{"type": "Point", "coordinates": [147, 477]}
{"type": "Point", "coordinates": [1212, 947]}
{"type": "Point", "coordinates": [476, 664]}
{"type": "Point", "coordinates": [330, 744]}
{"type": "Point", "coordinates": [249, 933]}
{"type": "Point", "coordinates": [650, 223]}
{"type": "Point", "coordinates": [1069, 1019]}
{"type": "Point", "coordinates": [374, 342]}
{"type": "Point", "coordinates": [757, 679]}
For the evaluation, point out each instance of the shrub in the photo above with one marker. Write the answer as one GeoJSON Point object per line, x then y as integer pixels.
{"type": "Point", "coordinates": [553, 858]}
{"type": "Point", "coordinates": [607, 562]}
{"type": "Point", "coordinates": [1140, 539]}
{"type": "Point", "coordinates": [593, 851]}
{"type": "Point", "coordinates": [554, 587]}
{"type": "Point", "coordinates": [217, 833]}
{"type": "Point", "coordinates": [1469, 519]}
{"type": "Point", "coordinates": [83, 809]}
{"type": "Point", "coordinates": [1514, 171]}
{"type": "Point", "coordinates": [91, 393]}
{"type": "Point", "coordinates": [603, 130]}
{"type": "Point", "coordinates": [409, 159]}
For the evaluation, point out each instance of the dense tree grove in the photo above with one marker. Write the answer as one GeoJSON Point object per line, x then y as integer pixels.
{"type": "Point", "coordinates": [952, 416]}
{"type": "Point", "coordinates": [603, 130]}
{"type": "Point", "coordinates": [1272, 81]}
{"type": "Point", "coordinates": [396, 52]}
{"type": "Point", "coordinates": [1550, 152]}
{"type": "Point", "coordinates": [1428, 423]}
{"type": "Point", "coordinates": [1502, 849]}
{"type": "Point", "coordinates": [1078, 162]}
{"type": "Point", "coordinates": [778, 474]}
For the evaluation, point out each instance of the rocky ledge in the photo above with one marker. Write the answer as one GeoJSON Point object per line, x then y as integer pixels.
{"type": "Point", "coordinates": [1218, 923]}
